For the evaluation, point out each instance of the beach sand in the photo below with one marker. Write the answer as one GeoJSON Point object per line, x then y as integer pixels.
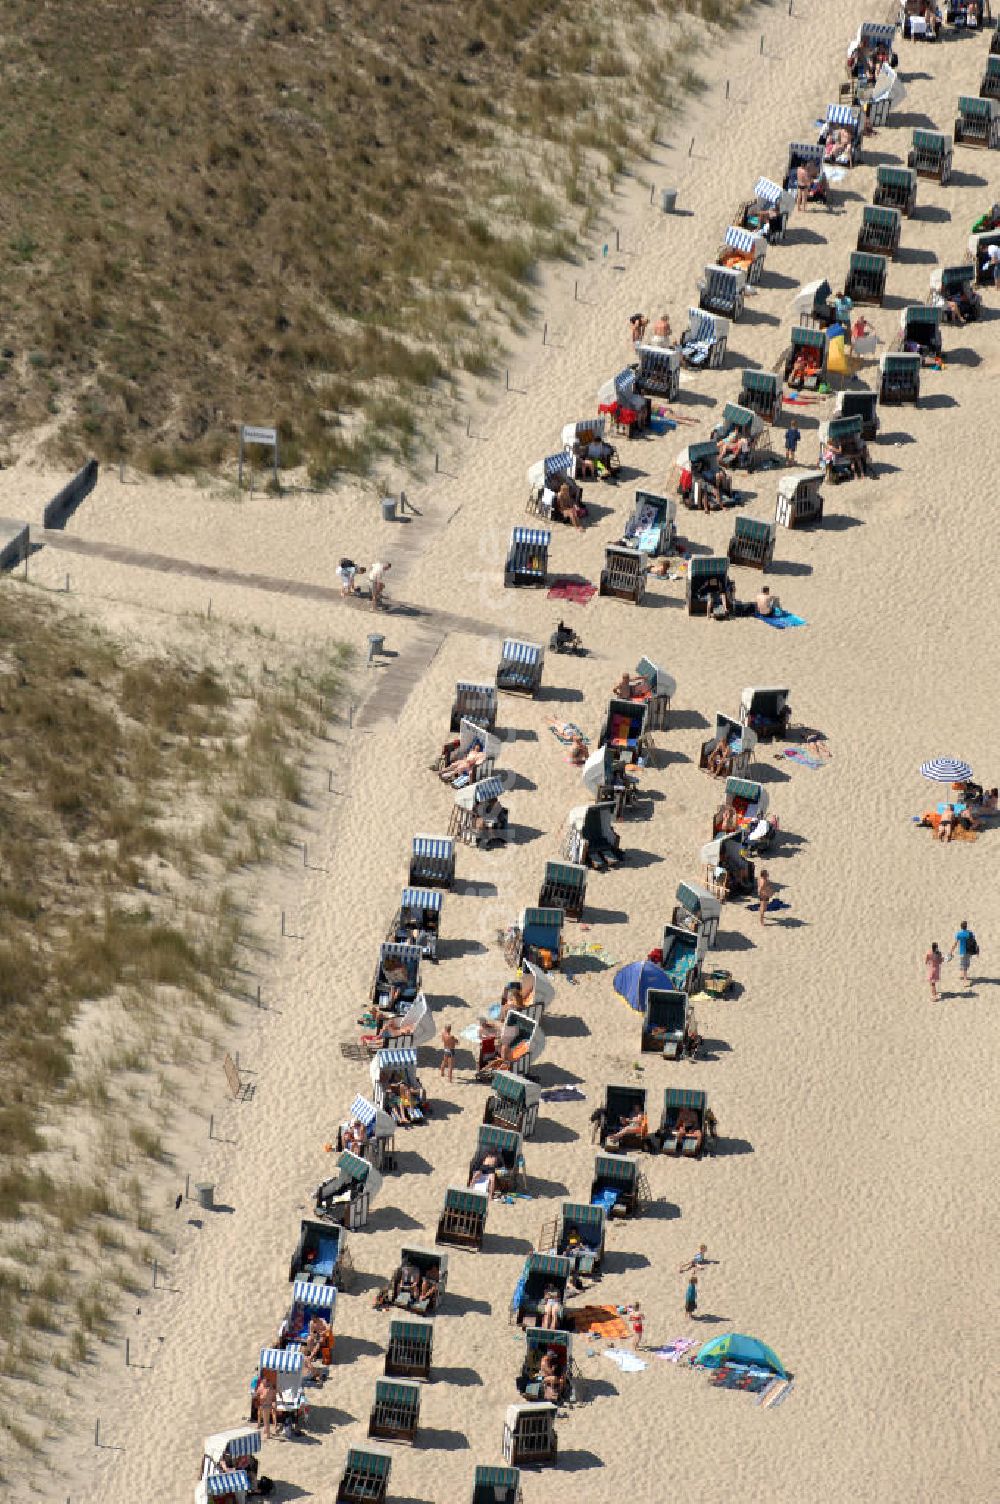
{"type": "Point", "coordinates": [851, 1208]}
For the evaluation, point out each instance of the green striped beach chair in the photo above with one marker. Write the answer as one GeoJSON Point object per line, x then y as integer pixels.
{"type": "Point", "coordinates": [564, 887]}
{"type": "Point", "coordinates": [931, 155]}
{"type": "Point", "coordinates": [409, 1350]}
{"type": "Point", "coordinates": [463, 1218]}
{"type": "Point", "coordinates": [896, 188]}
{"type": "Point", "coordinates": [880, 230]}
{"type": "Point", "coordinates": [497, 1485]}
{"type": "Point", "coordinates": [752, 543]}
{"type": "Point", "coordinates": [513, 1103]}
{"type": "Point", "coordinates": [365, 1479]}
{"type": "Point", "coordinates": [978, 122]}
{"type": "Point", "coordinates": [395, 1412]}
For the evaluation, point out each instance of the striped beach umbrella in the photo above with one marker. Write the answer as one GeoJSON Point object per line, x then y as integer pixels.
{"type": "Point", "coordinates": [946, 770]}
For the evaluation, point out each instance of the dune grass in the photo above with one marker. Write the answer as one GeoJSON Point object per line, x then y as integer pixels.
{"type": "Point", "coordinates": [116, 908]}
{"type": "Point", "coordinates": [296, 210]}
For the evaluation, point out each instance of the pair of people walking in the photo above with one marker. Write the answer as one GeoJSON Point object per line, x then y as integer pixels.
{"type": "Point", "coordinates": [966, 945]}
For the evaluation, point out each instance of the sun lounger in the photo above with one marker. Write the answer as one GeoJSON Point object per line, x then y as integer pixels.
{"type": "Point", "coordinates": [800, 498]}
{"type": "Point", "coordinates": [698, 911]}
{"type": "Point", "coordinates": [978, 122]}
{"type": "Point", "coordinates": [650, 528]}
{"type": "Point", "coordinates": [704, 340]}
{"type": "Point", "coordinates": [528, 557]}
{"type": "Point", "coordinates": [463, 1219]}
{"type": "Point", "coordinates": [544, 1276]}
{"type": "Point", "coordinates": [896, 188]}
{"type": "Point", "coordinates": [365, 1479]}
{"type": "Point", "coordinates": [752, 543]}
{"type": "Point", "coordinates": [931, 155]}
{"type": "Point", "coordinates": [617, 1186]}
{"type": "Point", "coordinates": [760, 391]}
{"type": "Point", "coordinates": [564, 888]}
{"type": "Point", "coordinates": [529, 1436]}
{"type": "Point", "coordinates": [721, 290]}
{"type": "Point", "coordinates": [409, 1350]}
{"type": "Point", "coordinates": [624, 573]}
{"type": "Point", "coordinates": [705, 574]}
{"type": "Point", "coordinates": [859, 402]}
{"type": "Point", "coordinates": [497, 1485]}
{"type": "Point", "coordinates": [866, 274]}
{"type": "Point", "coordinates": [899, 378]}
{"type": "Point", "coordinates": [743, 250]}
{"type": "Point", "coordinates": [591, 839]}
{"type": "Point", "coordinates": [520, 668]}
{"type": "Point", "coordinates": [687, 1108]}
{"type": "Point", "coordinates": [395, 1412]}
{"type": "Point", "coordinates": [513, 1103]}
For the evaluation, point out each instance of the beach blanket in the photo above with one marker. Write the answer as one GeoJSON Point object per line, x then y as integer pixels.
{"type": "Point", "coordinates": [595, 950]}
{"type": "Point", "coordinates": [563, 1094]}
{"type": "Point", "coordinates": [796, 754]}
{"type": "Point", "coordinates": [627, 1362]}
{"type": "Point", "coordinates": [739, 1376]}
{"type": "Point", "coordinates": [578, 591]}
{"type": "Point", "coordinates": [775, 1392]}
{"type": "Point", "coordinates": [781, 619]}
{"type": "Point", "coordinates": [673, 1352]}
{"type": "Point", "coordinates": [773, 906]}
{"type": "Point", "coordinates": [604, 1320]}
{"type": "Point", "coordinates": [565, 732]}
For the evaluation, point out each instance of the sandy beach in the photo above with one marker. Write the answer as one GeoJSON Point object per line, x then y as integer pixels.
{"type": "Point", "coordinates": [851, 1206]}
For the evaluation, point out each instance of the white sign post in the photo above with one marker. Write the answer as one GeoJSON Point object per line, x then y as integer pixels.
{"type": "Point", "coordinates": [250, 433]}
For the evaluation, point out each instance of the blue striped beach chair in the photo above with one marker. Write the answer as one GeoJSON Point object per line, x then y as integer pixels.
{"type": "Point", "coordinates": [664, 1021]}
{"type": "Point", "coordinates": [766, 213]}
{"type": "Point", "coordinates": [746, 243]}
{"type": "Point", "coordinates": [721, 290]}
{"type": "Point", "coordinates": [513, 1103]}
{"type": "Point", "coordinates": [520, 668]}
{"type": "Point", "coordinates": [234, 1485]}
{"type": "Point", "coordinates": [617, 1185]}
{"type": "Point", "coordinates": [395, 1412]}
{"type": "Point", "coordinates": [418, 920]}
{"type": "Point", "coordinates": [704, 340]}
{"type": "Point", "coordinates": [931, 155]}
{"type": "Point", "coordinates": [564, 889]}
{"type": "Point", "coordinates": [684, 1109]}
{"type": "Point", "coordinates": [395, 1065]}
{"type": "Point", "coordinates": [978, 122]}
{"type": "Point", "coordinates": [397, 971]}
{"type": "Point", "coordinates": [379, 1129]}
{"type": "Point", "coordinates": [846, 117]}
{"type": "Point", "coordinates": [474, 702]}
{"type": "Point", "coordinates": [529, 1435]}
{"type": "Point", "coordinates": [545, 477]}
{"type": "Point", "coordinates": [409, 1350]}
{"type": "Point", "coordinates": [659, 373]}
{"type": "Point", "coordinates": [432, 862]}
{"type": "Point", "coordinates": [896, 188]}
{"type": "Point", "coordinates": [287, 1368]}
{"type": "Point", "coordinates": [528, 557]}
{"type": "Point", "coordinates": [228, 1447]}
{"type": "Point", "coordinates": [650, 527]}
{"type": "Point", "coordinates": [478, 818]}
{"type": "Point", "coordinates": [497, 1485]}
{"type": "Point", "coordinates": [365, 1479]}
{"type": "Point", "coordinates": [804, 154]}
{"type": "Point", "coordinates": [462, 1222]}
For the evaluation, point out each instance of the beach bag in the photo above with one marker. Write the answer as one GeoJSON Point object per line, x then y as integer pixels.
{"type": "Point", "coordinates": [972, 946]}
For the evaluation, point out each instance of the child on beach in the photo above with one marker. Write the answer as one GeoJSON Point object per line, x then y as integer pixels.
{"type": "Point", "coordinates": [637, 1324]}
{"type": "Point", "coordinates": [691, 1296]}
{"type": "Point", "coordinates": [698, 1261]}
{"type": "Point", "coordinates": [934, 960]}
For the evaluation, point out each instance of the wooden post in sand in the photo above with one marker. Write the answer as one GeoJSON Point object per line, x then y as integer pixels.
{"type": "Point", "coordinates": [762, 39]}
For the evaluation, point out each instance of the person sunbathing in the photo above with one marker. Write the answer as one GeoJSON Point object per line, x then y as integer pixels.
{"type": "Point", "coordinates": [636, 1126]}
{"type": "Point", "coordinates": [626, 686]}
{"type": "Point", "coordinates": [552, 1309]}
{"type": "Point", "coordinates": [687, 1127]}
{"type": "Point", "coordinates": [553, 1379]}
{"type": "Point", "coordinates": [353, 1137]}
{"type": "Point", "coordinates": [483, 1174]}
{"type": "Point", "coordinates": [946, 825]}
{"type": "Point", "coordinates": [719, 757]}
{"type": "Point", "coordinates": [735, 450]}
{"type": "Point", "coordinates": [430, 1286]}
{"type": "Point", "coordinates": [389, 1034]}
{"type": "Point", "coordinates": [567, 508]}
{"type": "Point", "coordinates": [318, 1339]}
{"type": "Point", "coordinates": [767, 603]}
{"type": "Point", "coordinates": [407, 1284]}
{"type": "Point", "coordinates": [473, 759]}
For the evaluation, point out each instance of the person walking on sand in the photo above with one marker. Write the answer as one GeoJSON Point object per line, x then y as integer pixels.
{"type": "Point", "coordinates": [376, 576]}
{"type": "Point", "coordinates": [934, 960]}
{"type": "Point", "coordinates": [765, 892]}
{"type": "Point", "coordinates": [698, 1261]}
{"type": "Point", "coordinates": [449, 1044]}
{"type": "Point", "coordinates": [691, 1296]}
{"type": "Point", "coordinates": [967, 946]}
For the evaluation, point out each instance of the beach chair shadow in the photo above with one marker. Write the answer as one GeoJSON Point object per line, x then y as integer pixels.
{"type": "Point", "coordinates": [540, 1187]}
{"type": "Point", "coordinates": [637, 858]}
{"type": "Point", "coordinates": [932, 215]}
{"type": "Point", "coordinates": [624, 1261]}
{"type": "Point", "coordinates": [789, 567]}
{"type": "Point", "coordinates": [839, 522]}
{"type": "Point", "coordinates": [551, 1131]}
{"type": "Point", "coordinates": [964, 357]}
{"type": "Point", "coordinates": [325, 1419]}
{"type": "Point", "coordinates": [687, 720]}
{"type": "Point", "coordinates": [578, 1460]}
{"type": "Point", "coordinates": [466, 1305]}
{"type": "Point", "coordinates": [559, 694]}
{"type": "Point", "coordinates": [443, 1439]}
{"type": "Point", "coordinates": [463, 1378]}
{"type": "Point", "coordinates": [349, 1349]}
{"type": "Point", "coordinates": [508, 1244]}
{"type": "Point", "coordinates": [967, 180]}
{"type": "Point", "coordinates": [662, 1211]}
{"type": "Point", "coordinates": [733, 940]}
{"type": "Point", "coordinates": [390, 1217]}
{"type": "Point", "coordinates": [560, 1026]}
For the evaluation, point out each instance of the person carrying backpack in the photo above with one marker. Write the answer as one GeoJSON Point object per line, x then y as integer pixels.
{"type": "Point", "coordinates": [967, 946]}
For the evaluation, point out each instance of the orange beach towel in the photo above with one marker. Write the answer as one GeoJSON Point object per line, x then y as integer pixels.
{"type": "Point", "coordinates": [602, 1320]}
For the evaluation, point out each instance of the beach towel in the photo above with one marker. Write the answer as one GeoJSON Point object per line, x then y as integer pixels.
{"type": "Point", "coordinates": [604, 1320]}
{"type": "Point", "coordinates": [627, 1362]}
{"type": "Point", "coordinates": [773, 906]}
{"type": "Point", "coordinates": [796, 754]}
{"type": "Point", "coordinates": [578, 591]}
{"type": "Point", "coordinates": [563, 1094]}
{"type": "Point", "coordinates": [566, 732]}
{"type": "Point", "coordinates": [781, 618]}
{"type": "Point", "coordinates": [673, 1352]}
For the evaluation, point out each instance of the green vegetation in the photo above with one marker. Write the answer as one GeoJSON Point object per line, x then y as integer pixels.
{"type": "Point", "coordinates": [132, 793]}
{"type": "Point", "coordinates": [300, 210]}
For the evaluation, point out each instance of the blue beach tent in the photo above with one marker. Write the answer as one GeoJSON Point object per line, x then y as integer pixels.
{"type": "Point", "coordinates": [635, 980]}
{"type": "Point", "coordinates": [734, 1347]}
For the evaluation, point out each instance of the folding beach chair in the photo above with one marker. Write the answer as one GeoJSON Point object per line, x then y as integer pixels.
{"type": "Point", "coordinates": [395, 1412]}
{"type": "Point", "coordinates": [513, 1103]}
{"type": "Point", "coordinates": [617, 1185]}
{"type": "Point", "coordinates": [698, 911]}
{"type": "Point", "coordinates": [528, 557]}
{"type": "Point", "coordinates": [800, 498]}
{"type": "Point", "coordinates": [866, 276]}
{"type": "Point", "coordinates": [899, 378]}
{"type": "Point", "coordinates": [520, 668]}
{"type": "Point", "coordinates": [564, 887]}
{"type": "Point", "coordinates": [544, 1275]}
{"type": "Point", "coordinates": [931, 155]}
{"type": "Point", "coordinates": [497, 1485]}
{"type": "Point", "coordinates": [365, 1479]}
{"type": "Point", "coordinates": [749, 246]}
{"type": "Point", "coordinates": [624, 573]}
{"type": "Point", "coordinates": [409, 1350]}
{"type": "Point", "coordinates": [705, 573]}
{"type": "Point", "coordinates": [760, 391]}
{"type": "Point", "coordinates": [659, 373]}
{"type": "Point", "coordinates": [692, 1104]}
{"type": "Point", "coordinates": [462, 1222]}
{"type": "Point", "coordinates": [978, 122]}
{"type": "Point", "coordinates": [880, 231]}
{"type": "Point", "coordinates": [721, 290]}
{"type": "Point", "coordinates": [529, 1435]}
{"type": "Point", "coordinates": [505, 1145]}
{"type": "Point", "coordinates": [752, 543]}
{"type": "Point", "coordinates": [432, 862]}
{"type": "Point", "coordinates": [859, 403]}
{"type": "Point", "coordinates": [704, 340]}
{"type": "Point", "coordinates": [896, 188]}
{"type": "Point", "coordinates": [664, 1023]}
{"type": "Point", "coordinates": [650, 527]}
{"type": "Point", "coordinates": [474, 702]}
